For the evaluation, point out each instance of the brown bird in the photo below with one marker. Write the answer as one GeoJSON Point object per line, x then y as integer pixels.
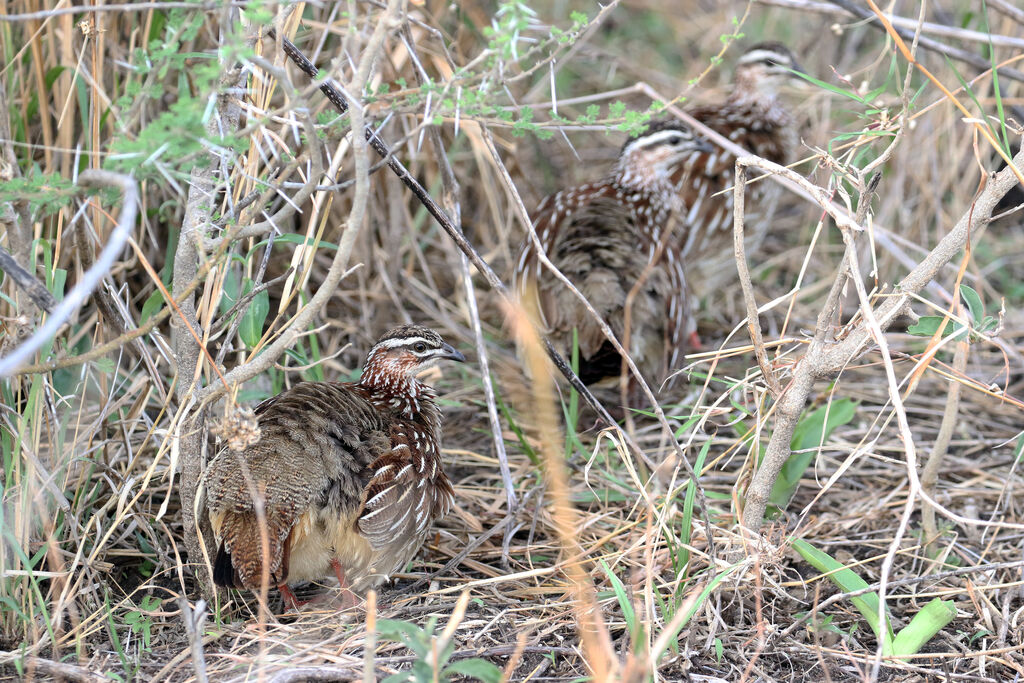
{"type": "Point", "coordinates": [606, 237]}
{"type": "Point", "coordinates": [753, 117]}
{"type": "Point", "coordinates": [345, 476]}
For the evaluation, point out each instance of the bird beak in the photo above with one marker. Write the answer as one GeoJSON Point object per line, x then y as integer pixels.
{"type": "Point", "coordinates": [702, 145]}
{"type": "Point", "coordinates": [449, 352]}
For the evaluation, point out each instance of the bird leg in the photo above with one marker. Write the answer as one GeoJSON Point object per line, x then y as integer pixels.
{"type": "Point", "coordinates": [348, 598]}
{"type": "Point", "coordinates": [290, 600]}
{"type": "Point", "coordinates": [693, 342]}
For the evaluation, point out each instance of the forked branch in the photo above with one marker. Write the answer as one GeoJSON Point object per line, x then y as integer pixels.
{"type": "Point", "coordinates": [824, 359]}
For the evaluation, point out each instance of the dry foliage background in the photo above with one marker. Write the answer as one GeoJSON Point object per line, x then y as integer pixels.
{"type": "Point", "coordinates": [601, 567]}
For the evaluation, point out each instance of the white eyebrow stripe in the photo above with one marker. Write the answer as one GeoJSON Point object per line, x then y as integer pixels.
{"type": "Point", "coordinates": [403, 341]}
{"type": "Point", "coordinates": [761, 55]}
{"type": "Point", "coordinates": [661, 136]}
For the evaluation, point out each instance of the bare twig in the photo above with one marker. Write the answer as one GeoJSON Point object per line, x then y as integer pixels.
{"type": "Point", "coordinates": [753, 321]}
{"type": "Point", "coordinates": [56, 670]}
{"type": "Point", "coordinates": [930, 473]}
{"type": "Point", "coordinates": [35, 289]}
{"type": "Point", "coordinates": [834, 9]}
{"type": "Point", "coordinates": [318, 673]}
{"type": "Point", "coordinates": [191, 428]}
{"type": "Point", "coordinates": [194, 620]}
{"type": "Point", "coordinates": [907, 33]}
{"type": "Point", "coordinates": [1012, 11]}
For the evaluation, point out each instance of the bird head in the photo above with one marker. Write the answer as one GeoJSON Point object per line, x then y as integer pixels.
{"type": "Point", "coordinates": [403, 352]}
{"type": "Point", "coordinates": [659, 149]}
{"type": "Point", "coordinates": [765, 68]}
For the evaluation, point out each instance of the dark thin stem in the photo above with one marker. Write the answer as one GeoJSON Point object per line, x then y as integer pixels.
{"type": "Point", "coordinates": [35, 289]}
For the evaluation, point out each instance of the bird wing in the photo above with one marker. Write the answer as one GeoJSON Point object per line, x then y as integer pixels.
{"type": "Point", "coordinates": [317, 440]}
{"type": "Point", "coordinates": [407, 489]}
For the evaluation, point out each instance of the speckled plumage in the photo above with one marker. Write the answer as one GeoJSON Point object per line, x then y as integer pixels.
{"type": "Point", "coordinates": [344, 473]}
{"type": "Point", "coordinates": [753, 117]}
{"type": "Point", "coordinates": [604, 237]}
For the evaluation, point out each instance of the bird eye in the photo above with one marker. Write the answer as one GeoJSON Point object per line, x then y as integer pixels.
{"type": "Point", "coordinates": [419, 347]}
{"type": "Point", "coordinates": [770, 62]}
{"type": "Point", "coordinates": [675, 140]}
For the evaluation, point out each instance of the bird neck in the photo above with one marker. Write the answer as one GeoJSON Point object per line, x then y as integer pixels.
{"type": "Point", "coordinates": [751, 92]}
{"type": "Point", "coordinates": [391, 386]}
{"type": "Point", "coordinates": [634, 176]}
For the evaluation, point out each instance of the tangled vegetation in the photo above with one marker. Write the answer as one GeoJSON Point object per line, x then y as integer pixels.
{"type": "Point", "coordinates": [831, 491]}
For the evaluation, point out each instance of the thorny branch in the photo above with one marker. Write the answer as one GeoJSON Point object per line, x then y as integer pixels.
{"type": "Point", "coordinates": [190, 428]}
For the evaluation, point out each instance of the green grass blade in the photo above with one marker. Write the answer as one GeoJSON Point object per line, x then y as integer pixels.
{"type": "Point", "coordinates": [849, 581]}
{"type": "Point", "coordinates": [923, 627]}
{"type": "Point", "coordinates": [625, 604]}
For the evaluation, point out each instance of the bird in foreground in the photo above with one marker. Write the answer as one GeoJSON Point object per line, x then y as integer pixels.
{"type": "Point", "coordinates": [346, 476]}
{"type": "Point", "coordinates": [606, 237]}
{"type": "Point", "coordinates": [753, 117]}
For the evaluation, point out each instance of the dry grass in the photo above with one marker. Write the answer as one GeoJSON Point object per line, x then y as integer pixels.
{"type": "Point", "coordinates": [92, 559]}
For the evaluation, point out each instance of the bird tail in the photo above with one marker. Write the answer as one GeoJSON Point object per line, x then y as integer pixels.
{"type": "Point", "coordinates": [224, 573]}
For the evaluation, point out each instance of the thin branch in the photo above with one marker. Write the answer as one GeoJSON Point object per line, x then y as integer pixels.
{"type": "Point", "coordinates": [930, 473]}
{"type": "Point", "coordinates": [824, 359]}
{"type": "Point", "coordinates": [35, 289]}
{"type": "Point", "coordinates": [129, 7]}
{"type": "Point", "coordinates": [907, 33]}
{"type": "Point", "coordinates": [834, 9]}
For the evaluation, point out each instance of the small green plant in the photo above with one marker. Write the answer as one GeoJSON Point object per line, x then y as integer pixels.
{"type": "Point", "coordinates": [909, 641]}
{"type": "Point", "coordinates": [434, 652]}
{"type": "Point", "coordinates": [140, 620]}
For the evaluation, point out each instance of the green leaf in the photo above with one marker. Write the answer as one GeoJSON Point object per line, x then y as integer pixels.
{"type": "Point", "coordinates": [230, 294]}
{"type": "Point", "coordinates": [403, 632]}
{"type": "Point", "coordinates": [831, 88]}
{"type": "Point", "coordinates": [811, 432]}
{"type": "Point", "coordinates": [849, 581]}
{"type": "Point", "coordinates": [973, 302]}
{"type": "Point", "coordinates": [152, 306]}
{"type": "Point", "coordinates": [923, 627]}
{"type": "Point", "coordinates": [292, 238]}
{"type": "Point", "coordinates": [104, 365]}
{"type": "Point", "coordinates": [251, 327]}
{"type": "Point", "coordinates": [477, 668]}
{"type": "Point", "coordinates": [928, 325]}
